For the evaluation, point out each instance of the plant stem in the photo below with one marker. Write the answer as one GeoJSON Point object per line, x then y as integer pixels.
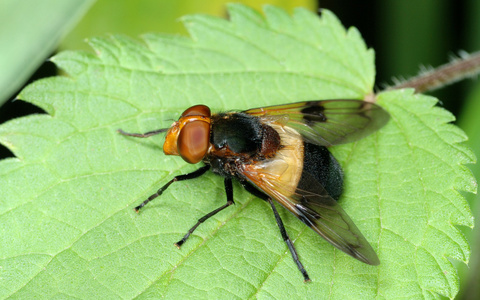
{"type": "Point", "coordinates": [456, 70]}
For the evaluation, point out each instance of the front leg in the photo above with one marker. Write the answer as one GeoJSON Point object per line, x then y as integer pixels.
{"type": "Point", "coordinates": [229, 192]}
{"type": "Point", "coordinates": [192, 175]}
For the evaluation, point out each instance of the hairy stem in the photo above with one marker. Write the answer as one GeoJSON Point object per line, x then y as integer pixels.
{"type": "Point", "coordinates": [456, 70]}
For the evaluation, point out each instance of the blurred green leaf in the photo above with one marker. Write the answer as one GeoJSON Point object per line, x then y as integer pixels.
{"type": "Point", "coordinates": [30, 30]}
{"type": "Point", "coordinates": [135, 17]}
{"type": "Point", "coordinates": [66, 201]}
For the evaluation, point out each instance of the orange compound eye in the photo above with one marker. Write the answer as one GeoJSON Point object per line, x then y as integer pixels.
{"type": "Point", "coordinates": [193, 141]}
{"type": "Point", "coordinates": [197, 110]}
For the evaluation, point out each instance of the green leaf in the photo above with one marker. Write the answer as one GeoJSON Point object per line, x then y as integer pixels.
{"type": "Point", "coordinates": [29, 32]}
{"type": "Point", "coordinates": [134, 17]}
{"type": "Point", "coordinates": [66, 202]}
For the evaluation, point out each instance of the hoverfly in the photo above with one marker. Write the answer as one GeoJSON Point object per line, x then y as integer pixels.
{"type": "Point", "coordinates": [280, 153]}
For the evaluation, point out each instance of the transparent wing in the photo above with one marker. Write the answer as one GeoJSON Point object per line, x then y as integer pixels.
{"type": "Point", "coordinates": [326, 122]}
{"type": "Point", "coordinates": [314, 207]}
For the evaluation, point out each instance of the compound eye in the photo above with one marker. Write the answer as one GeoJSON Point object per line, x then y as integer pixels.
{"type": "Point", "coordinates": [193, 141]}
{"type": "Point", "coordinates": [197, 110]}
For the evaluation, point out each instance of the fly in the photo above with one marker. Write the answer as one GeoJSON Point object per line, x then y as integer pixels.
{"type": "Point", "coordinates": [279, 153]}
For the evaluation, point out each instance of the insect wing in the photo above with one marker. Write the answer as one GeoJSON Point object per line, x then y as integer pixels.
{"type": "Point", "coordinates": [327, 122]}
{"type": "Point", "coordinates": [314, 207]}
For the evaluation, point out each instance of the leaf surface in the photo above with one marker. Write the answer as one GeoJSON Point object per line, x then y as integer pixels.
{"type": "Point", "coordinates": [66, 203]}
{"type": "Point", "coordinates": [29, 32]}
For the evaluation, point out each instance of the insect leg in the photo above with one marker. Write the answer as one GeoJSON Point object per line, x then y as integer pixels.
{"type": "Point", "coordinates": [192, 175]}
{"type": "Point", "coordinates": [289, 242]}
{"type": "Point", "coordinates": [142, 135]}
{"type": "Point", "coordinates": [252, 190]}
{"type": "Point", "coordinates": [229, 192]}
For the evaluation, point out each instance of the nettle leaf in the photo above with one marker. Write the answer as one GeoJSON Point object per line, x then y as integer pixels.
{"type": "Point", "coordinates": [66, 203]}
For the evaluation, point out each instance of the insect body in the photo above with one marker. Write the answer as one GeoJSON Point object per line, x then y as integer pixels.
{"type": "Point", "coordinates": [279, 153]}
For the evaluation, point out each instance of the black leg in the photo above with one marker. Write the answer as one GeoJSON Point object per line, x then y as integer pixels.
{"type": "Point", "coordinates": [229, 192]}
{"type": "Point", "coordinates": [289, 242]}
{"type": "Point", "coordinates": [142, 135]}
{"type": "Point", "coordinates": [192, 175]}
{"type": "Point", "coordinates": [252, 190]}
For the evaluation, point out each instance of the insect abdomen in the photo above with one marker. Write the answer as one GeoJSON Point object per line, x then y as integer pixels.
{"type": "Point", "coordinates": [320, 163]}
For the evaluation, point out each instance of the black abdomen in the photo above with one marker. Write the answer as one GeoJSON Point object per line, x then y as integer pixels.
{"type": "Point", "coordinates": [320, 163]}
